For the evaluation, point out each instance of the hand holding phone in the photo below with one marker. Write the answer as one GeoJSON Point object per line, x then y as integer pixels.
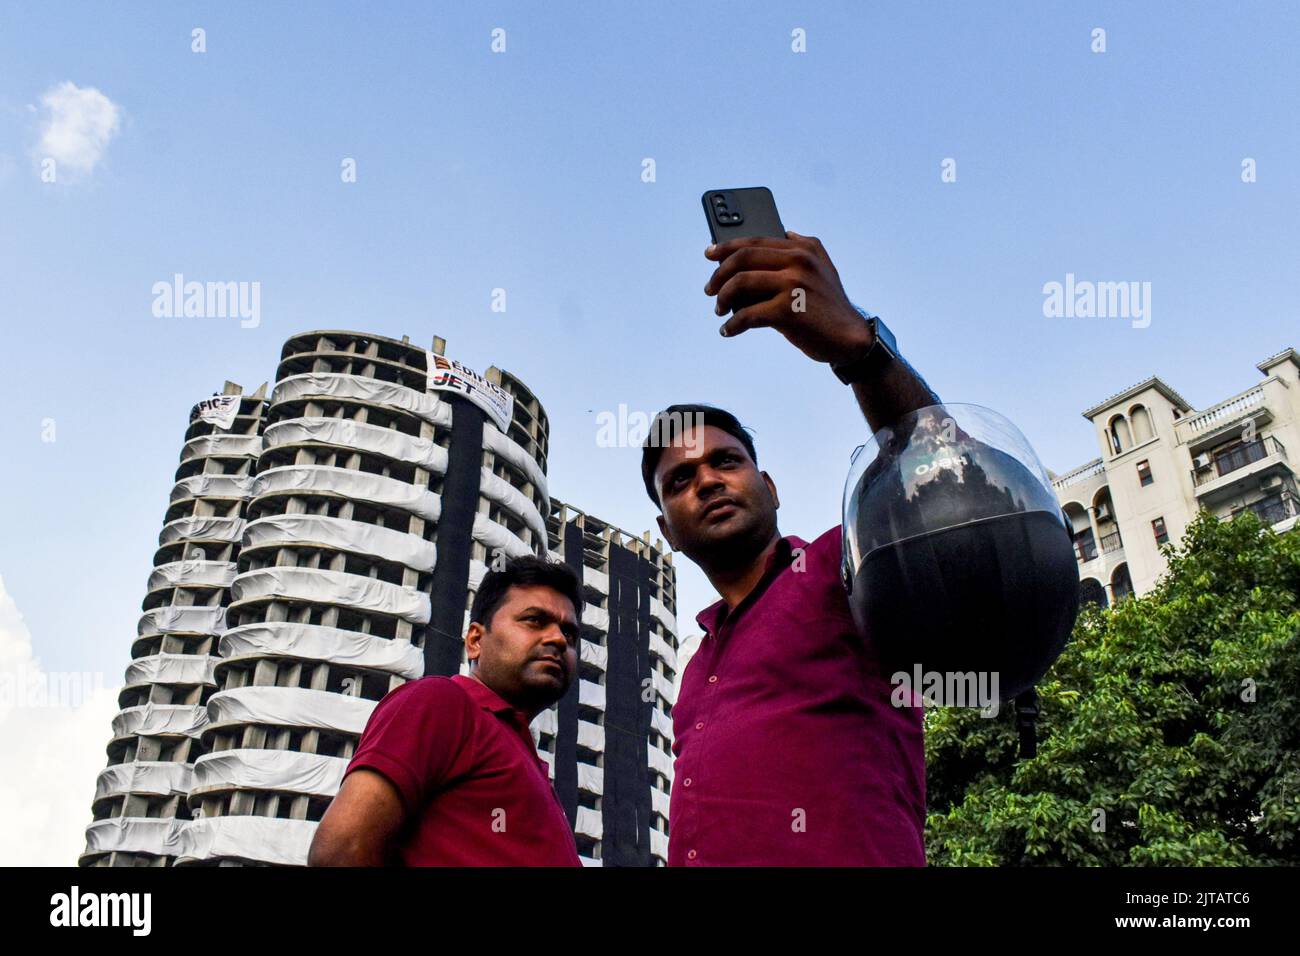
{"type": "Point", "coordinates": [768, 277]}
{"type": "Point", "coordinates": [742, 214]}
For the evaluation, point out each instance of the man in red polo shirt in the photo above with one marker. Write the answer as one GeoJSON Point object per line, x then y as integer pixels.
{"type": "Point", "coordinates": [789, 751]}
{"type": "Point", "coordinates": [446, 773]}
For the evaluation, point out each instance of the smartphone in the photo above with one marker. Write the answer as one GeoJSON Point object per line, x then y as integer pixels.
{"type": "Point", "coordinates": [742, 213]}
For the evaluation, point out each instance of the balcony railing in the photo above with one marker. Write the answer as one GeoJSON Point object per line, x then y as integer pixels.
{"type": "Point", "coordinates": [1085, 549]}
{"type": "Point", "coordinates": [1274, 509]}
{"type": "Point", "coordinates": [1111, 542]}
{"type": "Point", "coordinates": [1238, 458]}
{"type": "Point", "coordinates": [1226, 410]}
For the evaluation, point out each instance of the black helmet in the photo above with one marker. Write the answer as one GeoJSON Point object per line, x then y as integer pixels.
{"type": "Point", "coordinates": [956, 553]}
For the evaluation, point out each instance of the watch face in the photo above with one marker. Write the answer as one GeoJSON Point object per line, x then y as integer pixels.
{"type": "Point", "coordinates": [885, 337]}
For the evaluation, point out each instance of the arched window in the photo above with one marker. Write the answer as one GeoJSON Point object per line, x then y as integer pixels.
{"type": "Point", "coordinates": [1141, 419]}
{"type": "Point", "coordinates": [1120, 438]}
{"type": "Point", "coordinates": [1091, 592]}
{"type": "Point", "coordinates": [1121, 585]}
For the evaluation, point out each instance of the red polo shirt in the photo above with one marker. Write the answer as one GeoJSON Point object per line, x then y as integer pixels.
{"type": "Point", "coordinates": [464, 762]}
{"type": "Point", "coordinates": [788, 749]}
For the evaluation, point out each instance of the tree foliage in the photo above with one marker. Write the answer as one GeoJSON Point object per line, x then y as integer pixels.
{"type": "Point", "coordinates": [1169, 730]}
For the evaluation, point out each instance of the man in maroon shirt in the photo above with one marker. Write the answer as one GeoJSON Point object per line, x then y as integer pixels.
{"type": "Point", "coordinates": [446, 773]}
{"type": "Point", "coordinates": [788, 749]}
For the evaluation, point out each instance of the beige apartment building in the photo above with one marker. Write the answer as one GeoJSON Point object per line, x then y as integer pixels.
{"type": "Point", "coordinates": [1161, 461]}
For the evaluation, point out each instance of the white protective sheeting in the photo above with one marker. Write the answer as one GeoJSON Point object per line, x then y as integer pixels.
{"type": "Point", "coordinates": [665, 616]}
{"type": "Point", "coordinates": [597, 579]}
{"type": "Point", "coordinates": [360, 436]}
{"type": "Point", "coordinates": [156, 835]}
{"type": "Point", "coordinates": [591, 695]}
{"type": "Point", "coordinates": [660, 761]}
{"type": "Point", "coordinates": [477, 572]}
{"type": "Point", "coordinates": [290, 707]}
{"type": "Point", "coordinates": [158, 778]}
{"type": "Point", "coordinates": [661, 722]}
{"type": "Point", "coordinates": [260, 839]}
{"type": "Point", "coordinates": [176, 619]}
{"type": "Point", "coordinates": [513, 500]}
{"type": "Point", "coordinates": [495, 536]}
{"type": "Point", "coordinates": [192, 574]}
{"type": "Point", "coordinates": [337, 385]}
{"type": "Point", "coordinates": [344, 535]}
{"type": "Point", "coordinates": [659, 648]}
{"type": "Point", "coordinates": [346, 483]}
{"type": "Point", "coordinates": [332, 587]}
{"type": "Point", "coordinates": [201, 529]}
{"type": "Point", "coordinates": [588, 822]}
{"type": "Point", "coordinates": [222, 446]}
{"type": "Point", "coordinates": [497, 442]}
{"type": "Point", "coordinates": [591, 736]}
{"type": "Point", "coordinates": [659, 802]}
{"type": "Point", "coordinates": [665, 687]}
{"type": "Point", "coordinates": [597, 617]}
{"type": "Point", "coordinates": [270, 770]}
{"type": "Point", "coordinates": [659, 845]}
{"type": "Point", "coordinates": [591, 779]}
{"type": "Point", "coordinates": [213, 486]}
{"type": "Point", "coordinates": [171, 669]}
{"type": "Point", "coordinates": [545, 722]}
{"type": "Point", "coordinates": [594, 654]}
{"type": "Point", "coordinates": [319, 643]}
{"type": "Point", "coordinates": [156, 720]}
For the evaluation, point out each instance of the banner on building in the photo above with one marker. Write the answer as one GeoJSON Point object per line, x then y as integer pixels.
{"type": "Point", "coordinates": [448, 375]}
{"type": "Point", "coordinates": [220, 410]}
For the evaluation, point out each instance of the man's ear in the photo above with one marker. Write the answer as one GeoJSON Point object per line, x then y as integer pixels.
{"type": "Point", "coordinates": [771, 487]}
{"type": "Point", "coordinates": [472, 638]}
{"type": "Point", "coordinates": [663, 529]}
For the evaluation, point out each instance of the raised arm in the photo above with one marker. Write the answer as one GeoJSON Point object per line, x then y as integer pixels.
{"type": "Point", "coordinates": [791, 285]}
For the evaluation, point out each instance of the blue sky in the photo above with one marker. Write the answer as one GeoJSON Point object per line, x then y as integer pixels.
{"type": "Point", "coordinates": [522, 171]}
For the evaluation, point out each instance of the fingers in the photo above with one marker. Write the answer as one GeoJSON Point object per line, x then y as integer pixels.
{"type": "Point", "coordinates": [749, 258]}
{"type": "Point", "coordinates": [761, 315]}
{"type": "Point", "coordinates": [724, 249]}
{"type": "Point", "coordinates": [746, 288]}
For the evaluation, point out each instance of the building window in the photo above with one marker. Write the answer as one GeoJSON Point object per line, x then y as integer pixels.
{"type": "Point", "coordinates": [1158, 526]}
{"type": "Point", "coordinates": [1144, 473]}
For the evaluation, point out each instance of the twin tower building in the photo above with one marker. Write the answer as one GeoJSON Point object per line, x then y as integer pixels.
{"type": "Point", "coordinates": [323, 546]}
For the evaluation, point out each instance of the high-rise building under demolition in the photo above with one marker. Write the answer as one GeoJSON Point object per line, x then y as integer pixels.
{"type": "Point", "coordinates": [324, 547]}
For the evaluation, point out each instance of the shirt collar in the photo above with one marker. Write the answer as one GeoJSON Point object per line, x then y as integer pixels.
{"type": "Point", "coordinates": [780, 558]}
{"type": "Point", "coordinates": [488, 699]}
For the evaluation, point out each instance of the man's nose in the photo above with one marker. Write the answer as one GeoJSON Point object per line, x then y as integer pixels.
{"type": "Point", "coordinates": [707, 479]}
{"type": "Point", "coordinates": [554, 639]}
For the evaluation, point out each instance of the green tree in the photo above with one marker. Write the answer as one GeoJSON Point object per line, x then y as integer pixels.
{"type": "Point", "coordinates": [1169, 730]}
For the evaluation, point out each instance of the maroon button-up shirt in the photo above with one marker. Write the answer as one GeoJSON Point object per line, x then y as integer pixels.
{"type": "Point", "coordinates": [464, 762]}
{"type": "Point", "coordinates": [789, 751]}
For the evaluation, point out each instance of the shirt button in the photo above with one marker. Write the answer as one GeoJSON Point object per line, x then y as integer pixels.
{"type": "Point", "coordinates": [713, 678]}
{"type": "Point", "coordinates": [686, 782]}
{"type": "Point", "coordinates": [700, 725]}
{"type": "Point", "coordinates": [690, 854]}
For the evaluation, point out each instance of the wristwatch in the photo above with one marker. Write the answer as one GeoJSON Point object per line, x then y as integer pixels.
{"type": "Point", "coordinates": [868, 366]}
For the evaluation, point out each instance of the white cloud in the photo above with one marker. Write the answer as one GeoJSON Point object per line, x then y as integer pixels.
{"type": "Point", "coordinates": [76, 125]}
{"type": "Point", "coordinates": [53, 730]}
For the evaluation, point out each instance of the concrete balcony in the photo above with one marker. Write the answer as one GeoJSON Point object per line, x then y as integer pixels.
{"type": "Point", "coordinates": [1252, 460]}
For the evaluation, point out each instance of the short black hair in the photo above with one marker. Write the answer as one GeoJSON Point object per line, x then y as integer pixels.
{"type": "Point", "coordinates": [669, 424]}
{"type": "Point", "coordinates": [524, 571]}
